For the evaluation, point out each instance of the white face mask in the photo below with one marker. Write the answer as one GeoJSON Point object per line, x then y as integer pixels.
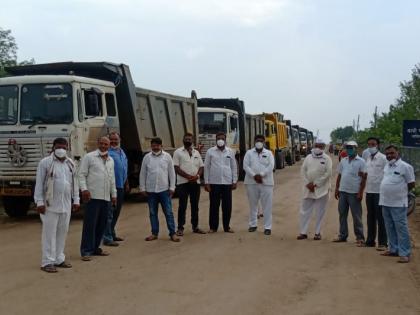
{"type": "Point", "coordinates": [103, 153]}
{"type": "Point", "coordinates": [157, 153]}
{"type": "Point", "coordinates": [317, 151]}
{"type": "Point", "coordinates": [60, 153]}
{"type": "Point", "coordinates": [373, 150]}
{"type": "Point", "coordinates": [220, 143]}
{"type": "Point", "coordinates": [259, 145]}
{"type": "Point", "coordinates": [392, 161]}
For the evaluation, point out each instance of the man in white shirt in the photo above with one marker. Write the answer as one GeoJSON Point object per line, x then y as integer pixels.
{"type": "Point", "coordinates": [350, 184]}
{"type": "Point", "coordinates": [220, 178]}
{"type": "Point", "coordinates": [398, 180]}
{"type": "Point", "coordinates": [259, 183]}
{"type": "Point", "coordinates": [375, 164]}
{"type": "Point", "coordinates": [56, 194]}
{"type": "Point", "coordinates": [188, 168]}
{"type": "Point", "coordinates": [157, 182]}
{"type": "Point", "coordinates": [316, 171]}
{"type": "Point", "coordinates": [97, 183]}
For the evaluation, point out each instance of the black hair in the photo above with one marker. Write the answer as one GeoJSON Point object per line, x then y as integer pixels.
{"type": "Point", "coordinates": [374, 138]}
{"type": "Point", "coordinates": [188, 134]}
{"type": "Point", "coordinates": [221, 133]}
{"type": "Point", "coordinates": [392, 146]}
{"type": "Point", "coordinates": [60, 141]}
{"type": "Point", "coordinates": [156, 140]}
{"type": "Point", "coordinates": [259, 137]}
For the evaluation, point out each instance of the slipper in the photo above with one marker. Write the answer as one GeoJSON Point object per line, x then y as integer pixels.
{"type": "Point", "coordinates": [389, 254]}
{"type": "Point", "coordinates": [339, 240]}
{"type": "Point", "coordinates": [86, 258]}
{"type": "Point", "coordinates": [49, 269]}
{"type": "Point", "coordinates": [361, 243]}
{"type": "Point", "coordinates": [118, 239]}
{"type": "Point", "coordinates": [229, 231]}
{"type": "Point", "coordinates": [174, 239]}
{"type": "Point", "coordinates": [151, 238]}
{"type": "Point", "coordinates": [100, 252]}
{"type": "Point", "coordinates": [317, 237]}
{"type": "Point", "coordinates": [381, 248]}
{"type": "Point", "coordinates": [180, 233]}
{"type": "Point", "coordinates": [302, 237]}
{"type": "Point", "coordinates": [199, 231]}
{"type": "Point", "coordinates": [64, 264]}
{"type": "Point", "coordinates": [211, 231]}
{"type": "Point", "coordinates": [403, 259]}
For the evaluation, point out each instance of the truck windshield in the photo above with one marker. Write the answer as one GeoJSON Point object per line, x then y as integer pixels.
{"type": "Point", "coordinates": [8, 104]}
{"type": "Point", "coordinates": [46, 104]}
{"type": "Point", "coordinates": [211, 122]}
{"type": "Point", "coordinates": [302, 136]}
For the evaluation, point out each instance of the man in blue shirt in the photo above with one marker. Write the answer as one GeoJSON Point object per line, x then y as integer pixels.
{"type": "Point", "coordinates": [350, 184]}
{"type": "Point", "coordinates": [120, 168]}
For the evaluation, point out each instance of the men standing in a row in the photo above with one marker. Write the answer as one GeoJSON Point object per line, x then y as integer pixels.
{"type": "Point", "coordinates": [157, 182]}
{"type": "Point", "coordinates": [259, 183]}
{"type": "Point", "coordinates": [189, 168]}
{"type": "Point", "coordinates": [351, 181]}
{"type": "Point", "coordinates": [220, 177]}
{"type": "Point", "coordinates": [97, 183]}
{"type": "Point", "coordinates": [56, 193]}
{"type": "Point", "coordinates": [375, 163]}
{"type": "Point", "coordinates": [316, 172]}
{"type": "Point", "coordinates": [398, 180]}
{"type": "Point", "coordinates": [121, 183]}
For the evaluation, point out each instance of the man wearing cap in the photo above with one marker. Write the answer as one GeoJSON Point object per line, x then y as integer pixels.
{"type": "Point", "coordinates": [350, 184]}
{"type": "Point", "coordinates": [259, 183]}
{"type": "Point", "coordinates": [316, 172]}
{"type": "Point", "coordinates": [398, 180]}
{"type": "Point", "coordinates": [375, 164]}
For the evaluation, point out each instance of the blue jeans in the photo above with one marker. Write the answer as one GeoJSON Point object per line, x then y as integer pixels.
{"type": "Point", "coordinates": [397, 230]}
{"type": "Point", "coordinates": [114, 213]}
{"type": "Point", "coordinates": [94, 222]}
{"type": "Point", "coordinates": [345, 202]}
{"type": "Point", "coordinates": [164, 198]}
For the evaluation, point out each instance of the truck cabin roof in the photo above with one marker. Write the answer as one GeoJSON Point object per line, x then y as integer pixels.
{"type": "Point", "coordinates": [52, 79]}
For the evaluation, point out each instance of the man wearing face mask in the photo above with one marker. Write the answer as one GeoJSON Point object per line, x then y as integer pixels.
{"type": "Point", "coordinates": [56, 194]}
{"type": "Point", "coordinates": [121, 183]}
{"type": "Point", "coordinates": [189, 168]}
{"type": "Point", "coordinates": [220, 177]}
{"type": "Point", "coordinates": [157, 182]}
{"type": "Point", "coordinates": [316, 171]}
{"type": "Point", "coordinates": [259, 183]}
{"type": "Point", "coordinates": [350, 184]}
{"type": "Point", "coordinates": [97, 183]}
{"type": "Point", "coordinates": [398, 180]}
{"type": "Point", "coordinates": [375, 163]}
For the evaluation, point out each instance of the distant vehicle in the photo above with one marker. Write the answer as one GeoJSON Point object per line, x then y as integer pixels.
{"type": "Point", "coordinates": [276, 138]}
{"type": "Point", "coordinates": [80, 101]}
{"type": "Point", "coordinates": [291, 155]}
{"type": "Point", "coordinates": [296, 139]}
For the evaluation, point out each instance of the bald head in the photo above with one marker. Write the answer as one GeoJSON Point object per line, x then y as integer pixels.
{"type": "Point", "coordinates": [103, 144]}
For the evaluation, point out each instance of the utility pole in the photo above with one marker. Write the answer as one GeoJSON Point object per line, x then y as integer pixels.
{"type": "Point", "coordinates": [375, 117]}
{"type": "Point", "coordinates": [358, 125]}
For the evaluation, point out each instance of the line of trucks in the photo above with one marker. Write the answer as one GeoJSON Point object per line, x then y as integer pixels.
{"type": "Point", "coordinates": [82, 101]}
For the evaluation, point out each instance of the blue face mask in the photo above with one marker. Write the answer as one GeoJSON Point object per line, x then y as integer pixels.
{"type": "Point", "coordinates": [351, 152]}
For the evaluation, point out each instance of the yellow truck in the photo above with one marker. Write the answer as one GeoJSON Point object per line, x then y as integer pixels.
{"type": "Point", "coordinates": [276, 138]}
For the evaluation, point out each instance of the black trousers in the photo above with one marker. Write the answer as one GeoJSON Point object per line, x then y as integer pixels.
{"type": "Point", "coordinates": [191, 190]}
{"type": "Point", "coordinates": [221, 193]}
{"type": "Point", "coordinates": [375, 221]}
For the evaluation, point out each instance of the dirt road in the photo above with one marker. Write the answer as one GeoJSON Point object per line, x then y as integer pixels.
{"type": "Point", "coordinates": [241, 273]}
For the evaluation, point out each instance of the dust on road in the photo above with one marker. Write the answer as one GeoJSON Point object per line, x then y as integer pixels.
{"type": "Point", "coordinates": [222, 273]}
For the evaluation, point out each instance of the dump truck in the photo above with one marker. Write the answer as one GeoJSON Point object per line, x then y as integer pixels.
{"type": "Point", "coordinates": [276, 138]}
{"type": "Point", "coordinates": [255, 125]}
{"type": "Point", "coordinates": [80, 101]}
{"type": "Point", "coordinates": [291, 143]}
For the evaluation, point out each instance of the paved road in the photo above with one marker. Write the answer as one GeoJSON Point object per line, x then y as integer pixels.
{"type": "Point", "coordinates": [241, 273]}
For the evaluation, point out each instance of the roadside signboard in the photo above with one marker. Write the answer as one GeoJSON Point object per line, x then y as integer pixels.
{"type": "Point", "coordinates": [411, 133]}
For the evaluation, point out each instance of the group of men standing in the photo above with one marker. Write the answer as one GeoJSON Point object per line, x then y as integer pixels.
{"type": "Point", "coordinates": [385, 179]}
{"type": "Point", "coordinates": [102, 180]}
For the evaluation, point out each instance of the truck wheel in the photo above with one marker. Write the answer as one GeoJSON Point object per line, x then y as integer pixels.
{"type": "Point", "coordinates": [278, 160]}
{"type": "Point", "coordinates": [16, 206]}
{"type": "Point", "coordinates": [297, 156]}
{"type": "Point", "coordinates": [283, 161]}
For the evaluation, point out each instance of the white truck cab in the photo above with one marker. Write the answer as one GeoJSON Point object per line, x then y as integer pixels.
{"type": "Point", "coordinates": [36, 109]}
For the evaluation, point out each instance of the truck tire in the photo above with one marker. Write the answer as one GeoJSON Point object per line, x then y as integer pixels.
{"type": "Point", "coordinates": [289, 159]}
{"type": "Point", "coordinates": [297, 154]}
{"type": "Point", "coordinates": [16, 206]}
{"type": "Point", "coordinates": [278, 159]}
{"type": "Point", "coordinates": [283, 161]}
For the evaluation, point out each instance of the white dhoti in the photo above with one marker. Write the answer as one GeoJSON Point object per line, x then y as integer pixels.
{"type": "Point", "coordinates": [264, 195]}
{"type": "Point", "coordinates": [308, 206]}
{"type": "Point", "coordinates": [54, 233]}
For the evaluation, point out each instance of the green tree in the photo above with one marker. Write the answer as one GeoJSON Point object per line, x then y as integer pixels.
{"type": "Point", "coordinates": [8, 51]}
{"type": "Point", "coordinates": [342, 134]}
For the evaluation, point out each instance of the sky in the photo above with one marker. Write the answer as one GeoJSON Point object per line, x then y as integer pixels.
{"type": "Point", "coordinates": [319, 62]}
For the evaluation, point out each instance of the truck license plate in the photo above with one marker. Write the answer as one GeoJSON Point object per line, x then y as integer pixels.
{"type": "Point", "coordinates": [16, 192]}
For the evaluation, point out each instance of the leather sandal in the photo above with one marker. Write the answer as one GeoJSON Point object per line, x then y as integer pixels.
{"type": "Point", "coordinates": [389, 254]}
{"type": "Point", "coordinates": [49, 269]}
{"type": "Point", "coordinates": [151, 238]}
{"type": "Point", "coordinates": [64, 264]}
{"type": "Point", "coordinates": [199, 231]}
{"type": "Point", "coordinates": [174, 238]}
